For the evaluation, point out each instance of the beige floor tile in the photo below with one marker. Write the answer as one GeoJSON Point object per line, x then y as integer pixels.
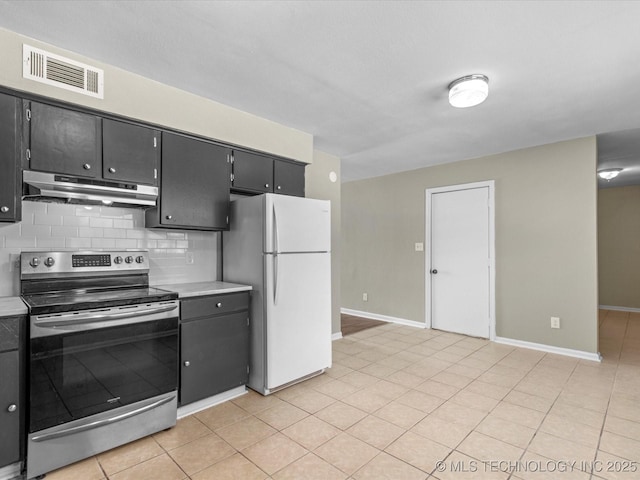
{"type": "Point", "coordinates": [376, 432]}
{"type": "Point", "coordinates": [336, 389]}
{"type": "Point", "coordinates": [586, 400]}
{"type": "Point", "coordinates": [341, 415]}
{"type": "Point", "coordinates": [245, 432]}
{"type": "Point", "coordinates": [580, 415]}
{"type": "Point", "coordinates": [418, 451]}
{"type": "Point", "coordinates": [221, 415]}
{"type": "Point", "coordinates": [460, 466]}
{"type": "Point", "coordinates": [310, 467]}
{"type": "Point", "coordinates": [274, 453]}
{"type": "Point", "coordinates": [509, 432]}
{"type": "Point", "coordinates": [338, 371]}
{"type": "Point", "coordinates": [378, 370]}
{"type": "Point", "coordinates": [420, 401]}
{"type": "Point", "coordinates": [186, 430]}
{"type": "Point", "coordinates": [620, 426]}
{"type": "Point", "coordinates": [201, 453]}
{"type": "Point", "coordinates": [282, 416]}
{"type": "Point", "coordinates": [88, 469]}
{"type": "Point", "coordinates": [465, 371]}
{"type": "Point", "coordinates": [517, 414]}
{"type": "Point", "coordinates": [536, 467]}
{"type": "Point", "coordinates": [488, 390]}
{"type": "Point", "coordinates": [437, 389]}
{"type": "Point", "coordinates": [233, 468]}
{"type": "Point", "coordinates": [570, 430]}
{"type": "Point", "coordinates": [625, 406]}
{"type": "Point", "coordinates": [385, 467]}
{"type": "Point", "coordinates": [612, 467]}
{"type": "Point", "coordinates": [474, 400]}
{"type": "Point", "coordinates": [560, 449]}
{"type": "Point", "coordinates": [293, 391]}
{"type": "Point", "coordinates": [128, 455]}
{"type": "Point", "coordinates": [534, 402]}
{"type": "Point", "coordinates": [404, 378]}
{"type": "Point", "coordinates": [359, 379]}
{"type": "Point", "coordinates": [400, 415]}
{"type": "Point", "coordinates": [312, 401]}
{"type": "Point", "coordinates": [366, 400]}
{"type": "Point", "coordinates": [533, 387]}
{"type": "Point", "coordinates": [488, 449]}
{"type": "Point", "coordinates": [158, 468]}
{"type": "Point", "coordinates": [620, 446]}
{"type": "Point", "coordinates": [253, 402]}
{"type": "Point", "coordinates": [311, 432]}
{"type": "Point", "coordinates": [454, 413]}
{"type": "Point", "coordinates": [452, 379]}
{"type": "Point", "coordinates": [442, 431]}
{"type": "Point", "coordinates": [388, 390]}
{"type": "Point", "coordinates": [354, 362]}
{"type": "Point", "coordinates": [346, 453]}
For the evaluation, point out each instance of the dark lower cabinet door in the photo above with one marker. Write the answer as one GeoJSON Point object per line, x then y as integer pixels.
{"type": "Point", "coordinates": [252, 172]}
{"type": "Point", "coordinates": [288, 178]}
{"type": "Point", "coordinates": [130, 153]}
{"type": "Point", "coordinates": [10, 408]}
{"type": "Point", "coordinates": [10, 181]}
{"type": "Point", "coordinates": [214, 354]}
{"type": "Point", "coordinates": [65, 141]}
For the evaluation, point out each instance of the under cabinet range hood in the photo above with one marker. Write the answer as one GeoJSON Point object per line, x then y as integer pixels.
{"type": "Point", "coordinates": [42, 186]}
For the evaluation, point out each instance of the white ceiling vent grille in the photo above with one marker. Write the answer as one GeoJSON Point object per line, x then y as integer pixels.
{"type": "Point", "coordinates": [52, 69]}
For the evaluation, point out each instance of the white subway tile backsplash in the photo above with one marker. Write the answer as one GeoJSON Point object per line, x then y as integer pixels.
{"type": "Point", "coordinates": [62, 226]}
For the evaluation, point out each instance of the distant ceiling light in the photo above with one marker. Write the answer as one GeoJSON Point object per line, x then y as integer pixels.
{"type": "Point", "coordinates": [468, 91]}
{"type": "Point", "coordinates": [609, 173]}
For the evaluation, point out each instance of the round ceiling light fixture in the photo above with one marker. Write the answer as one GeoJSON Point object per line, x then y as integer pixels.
{"type": "Point", "coordinates": [609, 173]}
{"type": "Point", "coordinates": [468, 91]}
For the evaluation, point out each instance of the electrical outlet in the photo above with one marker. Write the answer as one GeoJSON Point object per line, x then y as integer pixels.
{"type": "Point", "coordinates": [419, 247]}
{"type": "Point", "coordinates": [555, 322]}
{"type": "Point", "coordinates": [189, 258]}
{"type": "Point", "coordinates": [365, 297]}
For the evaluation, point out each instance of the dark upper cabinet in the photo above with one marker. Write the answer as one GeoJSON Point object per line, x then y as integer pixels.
{"type": "Point", "coordinates": [64, 141]}
{"type": "Point", "coordinates": [194, 185]}
{"type": "Point", "coordinates": [288, 178]}
{"type": "Point", "coordinates": [130, 153]}
{"type": "Point", "coordinates": [255, 173]}
{"type": "Point", "coordinates": [10, 181]}
{"type": "Point", "coordinates": [252, 172]}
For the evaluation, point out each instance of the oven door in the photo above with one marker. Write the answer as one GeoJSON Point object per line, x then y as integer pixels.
{"type": "Point", "coordinates": [92, 361]}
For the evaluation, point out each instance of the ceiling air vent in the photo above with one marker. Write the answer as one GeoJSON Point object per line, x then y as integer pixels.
{"type": "Point", "coordinates": [52, 69]}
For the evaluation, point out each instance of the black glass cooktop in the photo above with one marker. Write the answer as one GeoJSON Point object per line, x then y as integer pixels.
{"type": "Point", "coordinates": [73, 300]}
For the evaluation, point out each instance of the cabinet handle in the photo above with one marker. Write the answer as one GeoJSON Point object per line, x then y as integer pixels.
{"type": "Point", "coordinates": [4, 209]}
{"type": "Point", "coordinates": [266, 185]}
{"type": "Point", "coordinates": [279, 187]}
{"type": "Point", "coordinates": [12, 408]}
{"type": "Point", "coordinates": [169, 217]}
{"type": "Point", "coordinates": [112, 170]}
{"type": "Point", "coordinates": [219, 304]}
{"type": "Point", "coordinates": [187, 363]}
{"type": "Point", "coordinates": [86, 166]}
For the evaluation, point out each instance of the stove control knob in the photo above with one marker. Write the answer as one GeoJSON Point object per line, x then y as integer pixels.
{"type": "Point", "coordinates": [118, 260]}
{"type": "Point", "coordinates": [140, 259]}
{"type": "Point", "coordinates": [49, 262]}
{"type": "Point", "coordinates": [35, 261]}
{"type": "Point", "coordinates": [129, 259]}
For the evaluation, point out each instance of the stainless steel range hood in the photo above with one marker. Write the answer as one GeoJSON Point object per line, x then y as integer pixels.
{"type": "Point", "coordinates": [41, 186]}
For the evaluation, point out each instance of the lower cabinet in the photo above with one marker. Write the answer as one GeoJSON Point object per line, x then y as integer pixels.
{"type": "Point", "coordinates": [11, 397]}
{"type": "Point", "coordinates": [214, 345]}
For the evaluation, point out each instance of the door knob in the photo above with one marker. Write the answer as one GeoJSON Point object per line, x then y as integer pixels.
{"type": "Point", "coordinates": [266, 185]}
{"type": "Point", "coordinates": [187, 363]}
{"type": "Point", "coordinates": [86, 166]}
{"type": "Point", "coordinates": [219, 304]}
{"type": "Point", "coordinates": [434, 271]}
{"type": "Point", "coordinates": [4, 209]}
{"type": "Point", "coordinates": [112, 170]}
{"type": "Point", "coordinates": [12, 408]}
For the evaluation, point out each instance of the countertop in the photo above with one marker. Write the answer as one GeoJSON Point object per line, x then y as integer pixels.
{"type": "Point", "coordinates": [185, 290]}
{"type": "Point", "coordinates": [12, 306]}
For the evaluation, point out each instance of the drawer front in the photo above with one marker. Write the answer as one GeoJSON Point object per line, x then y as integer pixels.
{"type": "Point", "coordinates": [213, 305]}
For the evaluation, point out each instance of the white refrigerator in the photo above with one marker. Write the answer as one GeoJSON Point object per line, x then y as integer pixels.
{"type": "Point", "coordinates": [281, 246]}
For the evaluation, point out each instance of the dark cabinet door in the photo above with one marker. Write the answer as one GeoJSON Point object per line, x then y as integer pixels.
{"type": "Point", "coordinates": [194, 185]}
{"type": "Point", "coordinates": [214, 354]}
{"type": "Point", "coordinates": [65, 141]}
{"type": "Point", "coordinates": [130, 153]}
{"type": "Point", "coordinates": [288, 178]}
{"type": "Point", "coordinates": [252, 172]}
{"type": "Point", "coordinates": [10, 408]}
{"type": "Point", "coordinates": [10, 182]}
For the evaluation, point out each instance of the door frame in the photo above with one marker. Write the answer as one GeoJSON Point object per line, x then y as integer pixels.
{"type": "Point", "coordinates": [490, 184]}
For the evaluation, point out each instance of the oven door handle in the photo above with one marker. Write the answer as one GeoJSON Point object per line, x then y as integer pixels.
{"type": "Point", "coordinates": [100, 423]}
{"type": "Point", "coordinates": [72, 321]}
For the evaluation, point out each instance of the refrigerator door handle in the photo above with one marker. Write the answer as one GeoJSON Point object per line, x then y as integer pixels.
{"type": "Point", "coordinates": [275, 279]}
{"type": "Point", "coordinates": [276, 233]}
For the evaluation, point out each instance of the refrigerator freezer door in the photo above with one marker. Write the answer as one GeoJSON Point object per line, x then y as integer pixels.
{"type": "Point", "coordinates": [298, 301]}
{"type": "Point", "coordinates": [294, 224]}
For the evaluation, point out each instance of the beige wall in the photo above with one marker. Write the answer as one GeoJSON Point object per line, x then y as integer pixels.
{"type": "Point", "coordinates": [619, 246]}
{"type": "Point", "coordinates": [147, 100]}
{"type": "Point", "coordinates": [546, 253]}
{"type": "Point", "coordinates": [318, 185]}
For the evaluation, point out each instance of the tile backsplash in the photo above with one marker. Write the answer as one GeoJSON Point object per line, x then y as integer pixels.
{"type": "Point", "coordinates": [176, 256]}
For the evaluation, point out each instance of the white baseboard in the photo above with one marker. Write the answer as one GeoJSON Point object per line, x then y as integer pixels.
{"type": "Point", "coordinates": [336, 336]}
{"type": "Point", "coordinates": [619, 309]}
{"type": "Point", "coordinates": [10, 471]}
{"type": "Point", "coordinates": [383, 318]}
{"type": "Point", "coordinates": [211, 401]}
{"type": "Point", "coordinates": [594, 357]}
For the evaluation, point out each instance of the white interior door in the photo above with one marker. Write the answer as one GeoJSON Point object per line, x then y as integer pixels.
{"type": "Point", "coordinates": [298, 300]}
{"type": "Point", "coordinates": [460, 266]}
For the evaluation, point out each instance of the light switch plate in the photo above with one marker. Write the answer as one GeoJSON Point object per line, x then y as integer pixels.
{"type": "Point", "coordinates": [555, 322]}
{"type": "Point", "coordinates": [419, 247]}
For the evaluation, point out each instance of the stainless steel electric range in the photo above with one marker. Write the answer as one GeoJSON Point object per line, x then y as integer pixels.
{"type": "Point", "coordinates": [103, 354]}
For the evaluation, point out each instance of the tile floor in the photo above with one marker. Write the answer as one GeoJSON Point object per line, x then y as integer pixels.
{"type": "Point", "coordinates": [398, 400]}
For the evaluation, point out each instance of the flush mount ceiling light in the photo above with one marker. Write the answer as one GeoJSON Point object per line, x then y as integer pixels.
{"type": "Point", "coordinates": [609, 173]}
{"type": "Point", "coordinates": [468, 91]}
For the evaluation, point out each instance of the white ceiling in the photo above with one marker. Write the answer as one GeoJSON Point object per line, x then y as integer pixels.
{"type": "Point", "coordinates": [369, 79]}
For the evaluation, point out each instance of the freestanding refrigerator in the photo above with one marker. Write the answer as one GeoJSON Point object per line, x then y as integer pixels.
{"type": "Point", "coordinates": [281, 246]}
